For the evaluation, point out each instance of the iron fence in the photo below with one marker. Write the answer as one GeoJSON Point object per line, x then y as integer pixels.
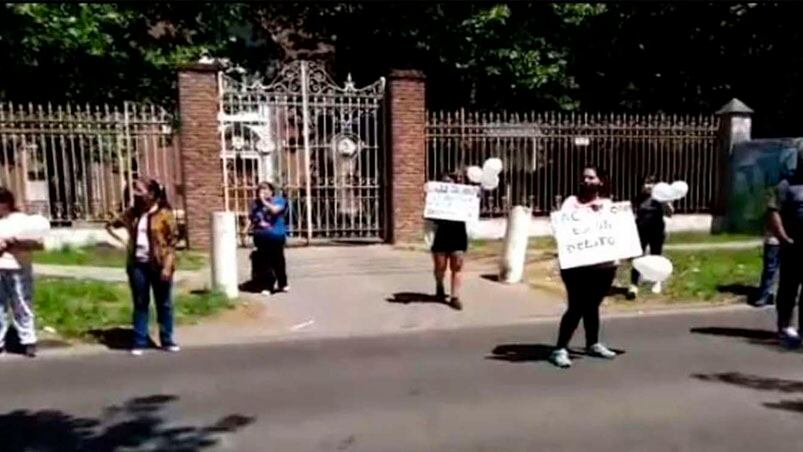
{"type": "Point", "coordinates": [72, 163]}
{"type": "Point", "coordinates": [320, 142]}
{"type": "Point", "coordinates": [543, 154]}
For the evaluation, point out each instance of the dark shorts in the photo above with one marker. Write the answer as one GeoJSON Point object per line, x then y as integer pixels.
{"type": "Point", "coordinates": [450, 238]}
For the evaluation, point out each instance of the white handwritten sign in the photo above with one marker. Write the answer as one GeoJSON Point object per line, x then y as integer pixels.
{"type": "Point", "coordinates": [455, 202]}
{"type": "Point", "coordinates": [586, 237]}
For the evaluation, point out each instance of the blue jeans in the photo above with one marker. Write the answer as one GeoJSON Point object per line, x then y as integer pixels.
{"type": "Point", "coordinates": [772, 261]}
{"type": "Point", "coordinates": [143, 278]}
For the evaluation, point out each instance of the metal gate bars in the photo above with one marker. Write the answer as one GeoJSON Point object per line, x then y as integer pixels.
{"type": "Point", "coordinates": [320, 143]}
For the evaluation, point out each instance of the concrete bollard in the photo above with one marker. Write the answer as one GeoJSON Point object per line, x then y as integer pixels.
{"type": "Point", "coordinates": [224, 254]}
{"type": "Point", "coordinates": [511, 266]}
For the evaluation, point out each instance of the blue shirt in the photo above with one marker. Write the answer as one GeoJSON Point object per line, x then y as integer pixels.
{"type": "Point", "coordinates": [276, 229]}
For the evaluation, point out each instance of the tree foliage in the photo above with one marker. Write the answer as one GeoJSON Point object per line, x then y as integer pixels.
{"type": "Point", "coordinates": [673, 57]}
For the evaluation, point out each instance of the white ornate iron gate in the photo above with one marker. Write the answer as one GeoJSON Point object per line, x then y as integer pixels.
{"type": "Point", "coordinates": [321, 144]}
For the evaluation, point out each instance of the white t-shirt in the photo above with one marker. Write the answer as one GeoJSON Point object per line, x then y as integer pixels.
{"type": "Point", "coordinates": [142, 252]}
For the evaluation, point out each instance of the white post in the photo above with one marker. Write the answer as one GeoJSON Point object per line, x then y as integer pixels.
{"type": "Point", "coordinates": [511, 268]}
{"type": "Point", "coordinates": [224, 254]}
{"type": "Point", "coordinates": [307, 152]}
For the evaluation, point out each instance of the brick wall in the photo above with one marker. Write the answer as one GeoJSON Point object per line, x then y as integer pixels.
{"type": "Point", "coordinates": [408, 155]}
{"type": "Point", "coordinates": [200, 150]}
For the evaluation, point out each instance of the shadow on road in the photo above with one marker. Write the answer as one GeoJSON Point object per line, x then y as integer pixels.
{"type": "Point", "coordinates": [752, 336]}
{"type": "Point", "coordinates": [759, 383]}
{"type": "Point", "coordinates": [517, 353]}
{"type": "Point", "coordinates": [414, 297]}
{"type": "Point", "coordinates": [136, 425]}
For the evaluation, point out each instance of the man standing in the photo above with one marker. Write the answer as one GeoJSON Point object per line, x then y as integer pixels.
{"type": "Point", "coordinates": [786, 223]}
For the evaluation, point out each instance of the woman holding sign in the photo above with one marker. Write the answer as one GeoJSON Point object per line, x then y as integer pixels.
{"type": "Point", "coordinates": [586, 286]}
{"type": "Point", "coordinates": [448, 247]}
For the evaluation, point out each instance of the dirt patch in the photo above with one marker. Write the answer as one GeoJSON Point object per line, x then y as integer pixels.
{"type": "Point", "coordinates": [247, 312]}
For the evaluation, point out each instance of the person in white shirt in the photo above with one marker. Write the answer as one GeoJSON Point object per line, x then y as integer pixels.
{"type": "Point", "coordinates": [586, 286]}
{"type": "Point", "coordinates": [16, 281]}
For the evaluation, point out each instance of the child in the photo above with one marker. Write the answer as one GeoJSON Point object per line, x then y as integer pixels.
{"type": "Point", "coordinates": [16, 281]}
{"type": "Point", "coordinates": [651, 229]}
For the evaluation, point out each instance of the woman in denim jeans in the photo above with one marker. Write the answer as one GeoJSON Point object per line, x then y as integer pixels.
{"type": "Point", "coordinates": [152, 237]}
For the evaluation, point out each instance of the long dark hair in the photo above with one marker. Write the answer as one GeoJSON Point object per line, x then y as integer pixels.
{"type": "Point", "coordinates": [7, 198]}
{"type": "Point", "coordinates": [604, 178]}
{"type": "Point", "coordinates": [157, 191]}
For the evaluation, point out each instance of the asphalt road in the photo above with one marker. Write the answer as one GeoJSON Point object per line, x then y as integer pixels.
{"type": "Point", "coordinates": [692, 382]}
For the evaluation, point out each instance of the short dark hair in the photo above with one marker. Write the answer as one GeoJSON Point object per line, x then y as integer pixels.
{"type": "Point", "coordinates": [649, 179]}
{"type": "Point", "coordinates": [265, 184]}
{"type": "Point", "coordinates": [7, 198]}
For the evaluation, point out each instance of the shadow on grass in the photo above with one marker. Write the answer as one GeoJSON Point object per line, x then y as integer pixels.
{"type": "Point", "coordinates": [117, 338]}
{"type": "Point", "coordinates": [136, 425]}
{"type": "Point", "coordinates": [740, 290]}
{"type": "Point", "coordinates": [758, 383]}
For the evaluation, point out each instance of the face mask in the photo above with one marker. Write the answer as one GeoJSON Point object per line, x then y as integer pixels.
{"type": "Point", "coordinates": [139, 201]}
{"type": "Point", "coordinates": [589, 189]}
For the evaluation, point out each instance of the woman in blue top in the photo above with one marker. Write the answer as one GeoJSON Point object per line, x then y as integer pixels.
{"type": "Point", "coordinates": [270, 236]}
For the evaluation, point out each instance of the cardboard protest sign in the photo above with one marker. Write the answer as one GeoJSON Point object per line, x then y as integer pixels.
{"type": "Point", "coordinates": [455, 202]}
{"type": "Point", "coordinates": [586, 237]}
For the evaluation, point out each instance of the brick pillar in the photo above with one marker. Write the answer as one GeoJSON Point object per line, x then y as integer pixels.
{"type": "Point", "coordinates": [200, 150]}
{"type": "Point", "coordinates": [407, 155]}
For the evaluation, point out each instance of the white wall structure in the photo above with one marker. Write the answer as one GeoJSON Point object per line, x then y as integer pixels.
{"type": "Point", "coordinates": [224, 253]}
{"type": "Point", "coordinates": [515, 251]}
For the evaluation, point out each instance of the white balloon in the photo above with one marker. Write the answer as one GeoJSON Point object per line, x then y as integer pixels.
{"type": "Point", "coordinates": [474, 174]}
{"type": "Point", "coordinates": [489, 181]}
{"type": "Point", "coordinates": [662, 192]}
{"type": "Point", "coordinates": [653, 268]}
{"type": "Point", "coordinates": [492, 165]}
{"type": "Point", "coordinates": [22, 226]}
{"type": "Point", "coordinates": [680, 189]}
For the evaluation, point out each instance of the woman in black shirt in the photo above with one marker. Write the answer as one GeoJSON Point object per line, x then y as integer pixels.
{"type": "Point", "coordinates": [448, 247]}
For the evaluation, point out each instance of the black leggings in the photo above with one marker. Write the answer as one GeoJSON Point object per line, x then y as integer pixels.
{"type": "Point", "coordinates": [652, 236]}
{"type": "Point", "coordinates": [269, 265]}
{"type": "Point", "coordinates": [586, 288]}
{"type": "Point", "coordinates": [789, 284]}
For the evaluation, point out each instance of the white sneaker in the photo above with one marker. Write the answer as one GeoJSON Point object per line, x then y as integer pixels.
{"type": "Point", "coordinates": [560, 358]}
{"type": "Point", "coordinates": [172, 348]}
{"type": "Point", "coordinates": [656, 288]}
{"type": "Point", "coordinates": [136, 352]}
{"type": "Point", "coordinates": [601, 351]}
{"type": "Point", "coordinates": [790, 333]}
{"type": "Point", "coordinates": [632, 292]}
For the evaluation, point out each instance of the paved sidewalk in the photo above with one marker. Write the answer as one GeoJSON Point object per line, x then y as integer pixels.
{"type": "Point", "coordinates": [345, 291]}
